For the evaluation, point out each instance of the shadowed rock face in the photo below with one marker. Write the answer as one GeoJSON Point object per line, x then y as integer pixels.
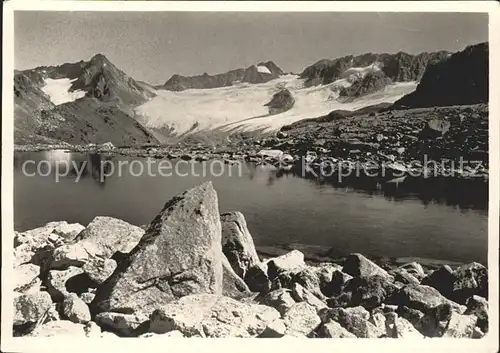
{"type": "Point", "coordinates": [281, 102]}
{"type": "Point", "coordinates": [372, 82]}
{"type": "Point", "coordinates": [461, 79]}
{"type": "Point", "coordinates": [249, 75]}
{"type": "Point", "coordinates": [400, 67]}
{"type": "Point", "coordinates": [180, 254]}
{"type": "Point", "coordinates": [102, 115]}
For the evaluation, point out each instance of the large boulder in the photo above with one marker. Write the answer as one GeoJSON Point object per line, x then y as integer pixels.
{"type": "Point", "coordinates": [106, 235]}
{"type": "Point", "coordinates": [470, 279]}
{"type": "Point", "coordinates": [179, 255]}
{"type": "Point", "coordinates": [30, 307]}
{"type": "Point", "coordinates": [462, 283]}
{"type": "Point", "coordinates": [209, 315]}
{"type": "Point", "coordinates": [420, 297]}
{"type": "Point", "coordinates": [237, 243]}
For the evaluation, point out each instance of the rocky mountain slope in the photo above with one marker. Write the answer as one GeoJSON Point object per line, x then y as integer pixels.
{"type": "Point", "coordinates": [400, 67]}
{"type": "Point", "coordinates": [196, 273]}
{"type": "Point", "coordinates": [459, 80]}
{"type": "Point", "coordinates": [260, 73]}
{"type": "Point", "coordinates": [78, 103]}
{"type": "Point", "coordinates": [95, 102]}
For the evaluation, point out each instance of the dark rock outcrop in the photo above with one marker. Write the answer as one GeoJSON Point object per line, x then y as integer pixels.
{"type": "Point", "coordinates": [461, 79]}
{"type": "Point", "coordinates": [281, 102]}
{"type": "Point", "coordinates": [400, 67]}
{"type": "Point", "coordinates": [372, 82]}
{"type": "Point", "coordinates": [260, 73]}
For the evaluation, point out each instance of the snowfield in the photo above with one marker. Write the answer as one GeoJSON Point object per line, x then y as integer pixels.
{"type": "Point", "coordinates": [241, 107]}
{"type": "Point", "coordinates": [58, 91]}
{"type": "Point", "coordinates": [263, 69]}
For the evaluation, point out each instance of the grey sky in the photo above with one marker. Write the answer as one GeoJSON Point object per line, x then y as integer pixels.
{"type": "Point", "coordinates": [152, 46]}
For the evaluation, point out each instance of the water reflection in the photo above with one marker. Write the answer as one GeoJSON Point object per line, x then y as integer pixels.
{"type": "Point", "coordinates": [462, 193]}
{"type": "Point", "coordinates": [455, 192]}
{"type": "Point", "coordinates": [74, 165]}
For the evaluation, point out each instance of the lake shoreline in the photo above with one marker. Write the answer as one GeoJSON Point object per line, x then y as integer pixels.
{"type": "Point", "coordinates": [113, 279]}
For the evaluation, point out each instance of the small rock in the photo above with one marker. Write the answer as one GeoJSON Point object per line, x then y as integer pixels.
{"type": "Point", "coordinates": [122, 324]}
{"type": "Point", "coordinates": [301, 318]}
{"type": "Point", "coordinates": [398, 327]}
{"type": "Point", "coordinates": [378, 320]}
{"type": "Point", "coordinates": [275, 329]}
{"type": "Point", "coordinates": [290, 262]}
{"type": "Point", "coordinates": [337, 284]}
{"type": "Point", "coordinates": [414, 269]}
{"type": "Point", "coordinates": [75, 309]}
{"type": "Point", "coordinates": [280, 299]}
{"type": "Point", "coordinates": [26, 278]}
{"type": "Point", "coordinates": [300, 294]}
{"type": "Point", "coordinates": [99, 269]}
{"type": "Point", "coordinates": [357, 265]}
{"type": "Point", "coordinates": [256, 278]}
{"type": "Point", "coordinates": [92, 330]}
{"type": "Point", "coordinates": [69, 255]}
{"type": "Point", "coordinates": [478, 306]}
{"type": "Point", "coordinates": [477, 333]}
{"type": "Point", "coordinates": [60, 328]}
{"type": "Point", "coordinates": [333, 329]}
{"type": "Point", "coordinates": [87, 297]}
{"type": "Point", "coordinates": [57, 279]}
{"type": "Point", "coordinates": [460, 326]}
{"type": "Point", "coordinates": [369, 292]}
{"type": "Point", "coordinates": [171, 334]}
{"type": "Point", "coordinates": [23, 254]}
{"type": "Point", "coordinates": [414, 316]}
{"type": "Point", "coordinates": [403, 276]}
{"type": "Point", "coordinates": [68, 231]}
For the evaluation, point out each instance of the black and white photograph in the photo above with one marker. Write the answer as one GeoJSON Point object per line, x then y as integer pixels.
{"type": "Point", "coordinates": [193, 173]}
